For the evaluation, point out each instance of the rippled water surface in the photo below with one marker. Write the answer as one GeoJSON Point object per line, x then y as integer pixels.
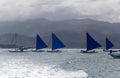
{"type": "Point", "coordinates": [70, 63]}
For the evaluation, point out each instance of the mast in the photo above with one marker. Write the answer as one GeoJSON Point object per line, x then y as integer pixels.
{"type": "Point", "coordinates": [13, 40]}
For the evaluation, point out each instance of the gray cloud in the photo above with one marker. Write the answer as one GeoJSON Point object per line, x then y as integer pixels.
{"type": "Point", "coordinates": [107, 10]}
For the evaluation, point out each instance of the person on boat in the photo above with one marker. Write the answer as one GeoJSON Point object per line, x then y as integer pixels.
{"type": "Point", "coordinates": [21, 48]}
{"type": "Point", "coordinates": [110, 51]}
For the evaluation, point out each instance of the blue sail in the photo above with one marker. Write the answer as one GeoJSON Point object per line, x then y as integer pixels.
{"type": "Point", "coordinates": [91, 43]}
{"type": "Point", "coordinates": [40, 43]}
{"type": "Point", "coordinates": [109, 44]}
{"type": "Point", "coordinates": [56, 42]}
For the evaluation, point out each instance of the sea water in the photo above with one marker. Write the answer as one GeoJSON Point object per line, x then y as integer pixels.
{"type": "Point", "coordinates": [35, 65]}
{"type": "Point", "coordinates": [70, 63]}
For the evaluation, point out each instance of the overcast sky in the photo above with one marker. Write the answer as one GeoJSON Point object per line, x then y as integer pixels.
{"type": "Point", "coordinates": [106, 10]}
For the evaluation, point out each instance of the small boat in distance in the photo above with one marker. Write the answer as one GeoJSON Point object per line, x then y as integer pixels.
{"type": "Point", "coordinates": [91, 44]}
{"type": "Point", "coordinates": [40, 44]}
{"type": "Point", "coordinates": [114, 53]}
{"type": "Point", "coordinates": [109, 45]}
{"type": "Point", "coordinates": [17, 48]}
{"type": "Point", "coordinates": [56, 44]}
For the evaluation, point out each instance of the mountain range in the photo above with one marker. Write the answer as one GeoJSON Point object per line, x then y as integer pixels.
{"type": "Point", "coordinates": [71, 32]}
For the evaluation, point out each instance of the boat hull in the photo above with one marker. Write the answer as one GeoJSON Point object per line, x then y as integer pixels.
{"type": "Point", "coordinates": [82, 51]}
{"type": "Point", "coordinates": [38, 51]}
{"type": "Point", "coordinates": [111, 50]}
{"type": "Point", "coordinates": [16, 51]}
{"type": "Point", "coordinates": [115, 55]}
{"type": "Point", "coordinates": [54, 51]}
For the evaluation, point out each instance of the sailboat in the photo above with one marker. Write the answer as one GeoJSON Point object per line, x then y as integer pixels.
{"type": "Point", "coordinates": [56, 43]}
{"type": "Point", "coordinates": [109, 45]}
{"type": "Point", "coordinates": [40, 44]}
{"type": "Point", "coordinates": [91, 44]}
{"type": "Point", "coordinates": [17, 48]}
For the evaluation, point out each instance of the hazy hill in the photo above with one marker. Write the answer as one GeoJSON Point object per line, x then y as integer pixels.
{"type": "Point", "coordinates": [14, 40]}
{"type": "Point", "coordinates": [71, 32]}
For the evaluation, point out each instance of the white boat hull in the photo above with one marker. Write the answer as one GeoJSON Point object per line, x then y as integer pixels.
{"type": "Point", "coordinates": [115, 55]}
{"type": "Point", "coordinates": [16, 51]}
{"type": "Point", "coordinates": [38, 50]}
{"type": "Point", "coordinates": [54, 51]}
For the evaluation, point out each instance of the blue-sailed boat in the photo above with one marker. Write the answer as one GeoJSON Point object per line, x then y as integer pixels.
{"type": "Point", "coordinates": [91, 44]}
{"type": "Point", "coordinates": [109, 45]}
{"type": "Point", "coordinates": [40, 44]}
{"type": "Point", "coordinates": [56, 43]}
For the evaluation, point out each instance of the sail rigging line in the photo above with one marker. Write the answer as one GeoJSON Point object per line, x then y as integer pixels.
{"type": "Point", "coordinates": [49, 41]}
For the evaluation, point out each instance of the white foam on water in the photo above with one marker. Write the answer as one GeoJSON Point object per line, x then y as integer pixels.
{"type": "Point", "coordinates": [21, 69]}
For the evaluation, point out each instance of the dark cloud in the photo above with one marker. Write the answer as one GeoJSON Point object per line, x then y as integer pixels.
{"type": "Point", "coordinates": [107, 10]}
